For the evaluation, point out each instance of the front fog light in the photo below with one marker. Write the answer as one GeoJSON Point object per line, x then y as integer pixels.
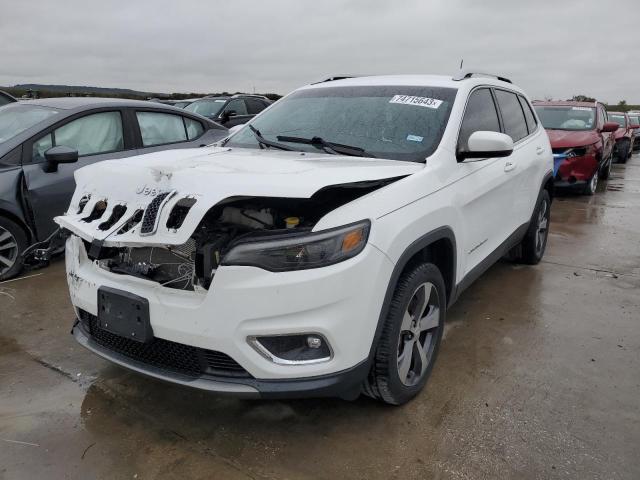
{"type": "Point", "coordinates": [296, 349]}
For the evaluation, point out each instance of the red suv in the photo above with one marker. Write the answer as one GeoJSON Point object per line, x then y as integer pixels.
{"type": "Point", "coordinates": [582, 140]}
{"type": "Point", "coordinates": [623, 135]}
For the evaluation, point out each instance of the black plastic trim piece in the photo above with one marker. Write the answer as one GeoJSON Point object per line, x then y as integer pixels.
{"type": "Point", "coordinates": [514, 239]}
{"type": "Point", "coordinates": [418, 245]}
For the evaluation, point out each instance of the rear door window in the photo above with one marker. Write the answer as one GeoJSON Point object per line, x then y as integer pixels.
{"type": "Point", "coordinates": [513, 119]}
{"type": "Point", "coordinates": [161, 128]}
{"type": "Point", "coordinates": [254, 105]}
{"type": "Point", "coordinates": [480, 115]}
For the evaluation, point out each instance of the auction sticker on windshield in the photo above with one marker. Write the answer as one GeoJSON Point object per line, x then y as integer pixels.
{"type": "Point", "coordinates": [418, 101]}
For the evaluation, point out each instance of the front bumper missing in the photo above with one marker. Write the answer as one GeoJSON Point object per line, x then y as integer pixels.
{"type": "Point", "coordinates": [345, 384]}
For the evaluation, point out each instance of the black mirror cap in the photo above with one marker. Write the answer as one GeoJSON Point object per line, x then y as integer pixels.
{"type": "Point", "coordinates": [462, 156]}
{"type": "Point", "coordinates": [59, 154]}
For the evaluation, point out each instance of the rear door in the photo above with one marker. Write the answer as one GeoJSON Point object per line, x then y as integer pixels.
{"type": "Point", "coordinates": [530, 149]}
{"type": "Point", "coordinates": [97, 135]}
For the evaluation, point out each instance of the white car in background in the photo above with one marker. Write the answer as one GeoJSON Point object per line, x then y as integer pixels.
{"type": "Point", "coordinates": [316, 251]}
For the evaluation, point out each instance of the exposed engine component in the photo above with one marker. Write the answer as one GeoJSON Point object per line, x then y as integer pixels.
{"type": "Point", "coordinates": [193, 265]}
{"type": "Point", "coordinates": [171, 267]}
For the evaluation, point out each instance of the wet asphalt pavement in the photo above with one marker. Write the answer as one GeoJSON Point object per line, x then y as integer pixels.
{"type": "Point", "coordinates": [538, 377]}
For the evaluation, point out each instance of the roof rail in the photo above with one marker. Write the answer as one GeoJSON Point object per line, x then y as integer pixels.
{"type": "Point", "coordinates": [249, 95]}
{"type": "Point", "coordinates": [336, 77]}
{"type": "Point", "coordinates": [464, 74]}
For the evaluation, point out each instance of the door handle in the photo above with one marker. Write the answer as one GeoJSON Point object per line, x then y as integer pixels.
{"type": "Point", "coordinates": [509, 166]}
{"type": "Point", "coordinates": [539, 150]}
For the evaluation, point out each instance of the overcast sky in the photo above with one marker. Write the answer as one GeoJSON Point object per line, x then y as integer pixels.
{"type": "Point", "coordinates": [551, 48]}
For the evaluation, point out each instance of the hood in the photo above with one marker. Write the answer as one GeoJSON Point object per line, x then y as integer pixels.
{"type": "Point", "coordinates": [569, 139]}
{"type": "Point", "coordinates": [209, 175]}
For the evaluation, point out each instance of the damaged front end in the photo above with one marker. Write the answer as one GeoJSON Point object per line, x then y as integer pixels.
{"type": "Point", "coordinates": [274, 234]}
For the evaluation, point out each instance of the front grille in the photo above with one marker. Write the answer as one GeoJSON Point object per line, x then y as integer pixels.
{"type": "Point", "coordinates": [151, 213]}
{"type": "Point", "coordinates": [164, 354]}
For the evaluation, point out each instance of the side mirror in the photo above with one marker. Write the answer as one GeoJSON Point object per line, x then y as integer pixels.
{"type": "Point", "coordinates": [227, 114]}
{"type": "Point", "coordinates": [59, 154]}
{"type": "Point", "coordinates": [634, 126]}
{"type": "Point", "coordinates": [485, 144]}
{"type": "Point", "coordinates": [610, 127]}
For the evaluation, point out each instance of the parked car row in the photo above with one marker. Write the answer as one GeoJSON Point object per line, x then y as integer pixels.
{"type": "Point", "coordinates": [227, 110]}
{"type": "Point", "coordinates": [239, 268]}
{"type": "Point", "coordinates": [585, 139]}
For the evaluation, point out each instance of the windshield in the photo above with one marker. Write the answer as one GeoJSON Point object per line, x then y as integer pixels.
{"type": "Point", "coordinates": [398, 123]}
{"type": "Point", "coordinates": [18, 117]}
{"type": "Point", "coordinates": [619, 119]}
{"type": "Point", "coordinates": [566, 117]}
{"type": "Point", "coordinates": [206, 108]}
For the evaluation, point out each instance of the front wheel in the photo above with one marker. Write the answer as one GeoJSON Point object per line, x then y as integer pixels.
{"type": "Point", "coordinates": [592, 185]}
{"type": "Point", "coordinates": [13, 241]}
{"type": "Point", "coordinates": [408, 346]}
{"type": "Point", "coordinates": [623, 151]}
{"type": "Point", "coordinates": [535, 241]}
{"type": "Point", "coordinates": [605, 173]}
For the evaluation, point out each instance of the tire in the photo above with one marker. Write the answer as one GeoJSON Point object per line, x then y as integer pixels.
{"type": "Point", "coordinates": [13, 241]}
{"type": "Point", "coordinates": [592, 185]}
{"type": "Point", "coordinates": [623, 151]}
{"type": "Point", "coordinates": [534, 242]}
{"type": "Point", "coordinates": [408, 343]}
{"type": "Point", "coordinates": [605, 173]}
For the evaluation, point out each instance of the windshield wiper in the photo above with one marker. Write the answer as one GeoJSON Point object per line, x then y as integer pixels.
{"type": "Point", "coordinates": [263, 142]}
{"type": "Point", "coordinates": [329, 147]}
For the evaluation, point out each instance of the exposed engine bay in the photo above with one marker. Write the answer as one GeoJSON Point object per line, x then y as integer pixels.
{"type": "Point", "coordinates": [193, 265]}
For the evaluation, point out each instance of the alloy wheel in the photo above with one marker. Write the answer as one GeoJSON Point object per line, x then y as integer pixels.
{"type": "Point", "coordinates": [8, 250]}
{"type": "Point", "coordinates": [418, 334]}
{"type": "Point", "coordinates": [542, 227]}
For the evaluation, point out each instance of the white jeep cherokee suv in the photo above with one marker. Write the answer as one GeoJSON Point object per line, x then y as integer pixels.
{"type": "Point", "coordinates": [314, 252]}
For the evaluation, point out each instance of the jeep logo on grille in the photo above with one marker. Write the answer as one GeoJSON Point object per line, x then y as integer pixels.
{"type": "Point", "coordinates": [146, 190]}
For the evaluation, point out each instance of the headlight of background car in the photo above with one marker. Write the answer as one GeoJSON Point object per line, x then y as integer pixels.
{"type": "Point", "coordinates": [299, 252]}
{"type": "Point", "coordinates": [577, 151]}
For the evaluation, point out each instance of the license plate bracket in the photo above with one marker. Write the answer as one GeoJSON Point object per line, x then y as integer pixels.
{"type": "Point", "coordinates": [124, 314]}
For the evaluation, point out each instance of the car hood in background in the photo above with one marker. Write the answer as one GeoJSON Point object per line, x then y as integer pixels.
{"type": "Point", "coordinates": [209, 176]}
{"type": "Point", "coordinates": [569, 139]}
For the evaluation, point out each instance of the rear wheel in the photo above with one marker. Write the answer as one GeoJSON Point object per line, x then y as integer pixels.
{"type": "Point", "coordinates": [408, 345]}
{"type": "Point", "coordinates": [13, 241]}
{"type": "Point", "coordinates": [535, 241]}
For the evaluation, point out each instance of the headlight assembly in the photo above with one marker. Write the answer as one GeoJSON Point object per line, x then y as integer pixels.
{"type": "Point", "coordinates": [302, 251]}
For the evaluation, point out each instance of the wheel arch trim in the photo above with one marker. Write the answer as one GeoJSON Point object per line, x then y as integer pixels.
{"type": "Point", "coordinates": [442, 233]}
